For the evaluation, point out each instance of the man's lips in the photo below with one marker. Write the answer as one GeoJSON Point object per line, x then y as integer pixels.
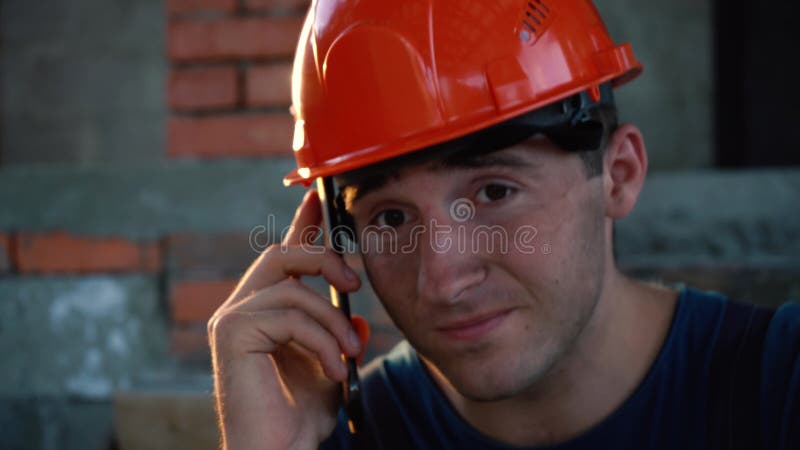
{"type": "Point", "coordinates": [474, 327]}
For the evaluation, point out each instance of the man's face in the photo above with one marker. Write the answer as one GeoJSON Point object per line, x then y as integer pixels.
{"type": "Point", "coordinates": [490, 266]}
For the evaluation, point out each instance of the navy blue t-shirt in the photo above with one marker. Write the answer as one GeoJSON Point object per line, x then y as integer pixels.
{"type": "Point", "coordinates": [668, 410]}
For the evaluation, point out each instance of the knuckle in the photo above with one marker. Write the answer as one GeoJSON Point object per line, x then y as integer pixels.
{"type": "Point", "coordinates": [294, 315]}
{"type": "Point", "coordinates": [220, 323]}
{"type": "Point", "coordinates": [286, 291]}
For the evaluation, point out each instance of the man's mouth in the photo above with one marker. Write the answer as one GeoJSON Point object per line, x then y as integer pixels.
{"type": "Point", "coordinates": [475, 327]}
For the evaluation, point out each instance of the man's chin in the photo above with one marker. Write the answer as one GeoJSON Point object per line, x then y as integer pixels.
{"type": "Point", "coordinates": [484, 380]}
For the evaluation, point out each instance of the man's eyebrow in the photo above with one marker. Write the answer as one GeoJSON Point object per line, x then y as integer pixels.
{"type": "Point", "coordinates": [355, 191]}
{"type": "Point", "coordinates": [472, 161]}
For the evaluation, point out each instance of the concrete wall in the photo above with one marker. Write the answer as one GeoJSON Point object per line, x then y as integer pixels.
{"type": "Point", "coordinates": [82, 81]}
{"type": "Point", "coordinates": [68, 343]}
{"type": "Point", "coordinates": [672, 100]}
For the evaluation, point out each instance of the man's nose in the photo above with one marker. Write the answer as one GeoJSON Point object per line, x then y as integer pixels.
{"type": "Point", "coordinates": [448, 268]}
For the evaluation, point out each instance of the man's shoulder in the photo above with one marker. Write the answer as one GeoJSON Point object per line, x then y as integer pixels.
{"type": "Point", "coordinates": [714, 312]}
{"type": "Point", "coordinates": [786, 322]}
{"type": "Point", "coordinates": [755, 371]}
{"type": "Point", "coordinates": [709, 309]}
{"type": "Point", "coordinates": [780, 373]}
{"type": "Point", "coordinates": [781, 359]}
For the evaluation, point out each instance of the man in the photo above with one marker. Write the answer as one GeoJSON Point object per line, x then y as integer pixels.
{"type": "Point", "coordinates": [478, 158]}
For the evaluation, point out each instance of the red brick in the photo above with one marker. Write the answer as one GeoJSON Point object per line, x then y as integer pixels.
{"type": "Point", "coordinates": [203, 88]}
{"type": "Point", "coordinates": [226, 136]}
{"type": "Point", "coordinates": [196, 300]}
{"type": "Point", "coordinates": [269, 85]}
{"type": "Point", "coordinates": [63, 253]}
{"type": "Point", "coordinates": [5, 253]}
{"type": "Point", "coordinates": [202, 256]}
{"type": "Point", "coordinates": [231, 39]}
{"type": "Point", "coordinates": [196, 6]}
{"type": "Point", "coordinates": [256, 5]}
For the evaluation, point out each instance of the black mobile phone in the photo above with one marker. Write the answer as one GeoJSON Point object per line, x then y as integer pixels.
{"type": "Point", "coordinates": [335, 236]}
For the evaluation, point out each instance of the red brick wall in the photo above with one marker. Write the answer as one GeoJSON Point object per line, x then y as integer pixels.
{"type": "Point", "coordinates": [229, 83]}
{"type": "Point", "coordinates": [228, 94]}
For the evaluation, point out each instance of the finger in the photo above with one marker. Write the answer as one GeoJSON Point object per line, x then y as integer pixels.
{"type": "Point", "coordinates": [362, 330]}
{"type": "Point", "coordinates": [279, 263]}
{"type": "Point", "coordinates": [282, 326]}
{"type": "Point", "coordinates": [292, 294]}
{"type": "Point", "coordinates": [306, 222]}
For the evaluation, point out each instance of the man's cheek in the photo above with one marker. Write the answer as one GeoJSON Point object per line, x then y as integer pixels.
{"type": "Point", "coordinates": [393, 278]}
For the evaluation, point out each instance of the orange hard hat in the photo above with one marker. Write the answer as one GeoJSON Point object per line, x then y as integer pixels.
{"type": "Point", "coordinates": [375, 79]}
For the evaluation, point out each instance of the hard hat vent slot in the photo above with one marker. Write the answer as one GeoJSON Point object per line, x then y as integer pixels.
{"type": "Point", "coordinates": [534, 19]}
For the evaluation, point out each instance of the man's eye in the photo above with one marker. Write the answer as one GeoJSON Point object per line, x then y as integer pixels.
{"type": "Point", "coordinates": [391, 218]}
{"type": "Point", "coordinates": [494, 192]}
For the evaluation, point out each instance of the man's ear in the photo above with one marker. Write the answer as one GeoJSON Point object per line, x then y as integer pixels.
{"type": "Point", "coordinates": [624, 170]}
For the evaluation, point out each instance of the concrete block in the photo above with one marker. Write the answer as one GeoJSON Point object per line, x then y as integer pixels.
{"type": "Point", "coordinates": [189, 346]}
{"type": "Point", "coordinates": [765, 287]}
{"type": "Point", "coordinates": [83, 82]}
{"type": "Point", "coordinates": [741, 219]}
{"type": "Point", "coordinates": [673, 100]}
{"type": "Point", "coordinates": [144, 202]}
{"type": "Point", "coordinates": [35, 423]}
{"type": "Point", "coordinates": [82, 337]}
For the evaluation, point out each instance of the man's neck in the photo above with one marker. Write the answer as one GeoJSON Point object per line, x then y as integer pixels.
{"type": "Point", "coordinates": [609, 360]}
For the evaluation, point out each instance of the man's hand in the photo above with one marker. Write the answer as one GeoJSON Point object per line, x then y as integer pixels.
{"type": "Point", "coordinates": [276, 345]}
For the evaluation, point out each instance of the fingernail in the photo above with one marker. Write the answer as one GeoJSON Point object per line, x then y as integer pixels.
{"type": "Point", "coordinates": [354, 340]}
{"type": "Point", "coordinates": [349, 274]}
